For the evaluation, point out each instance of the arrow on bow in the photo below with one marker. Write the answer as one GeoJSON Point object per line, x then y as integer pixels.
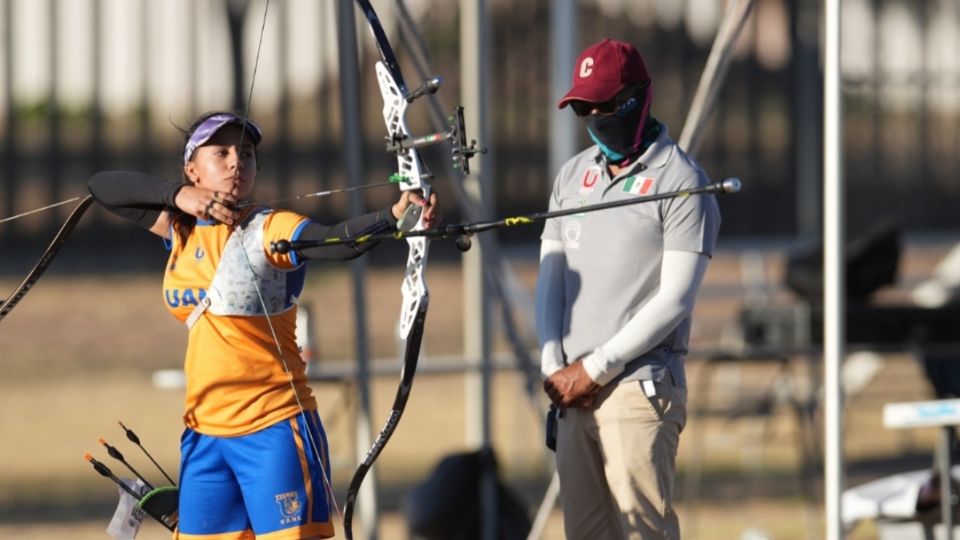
{"type": "Point", "coordinates": [316, 195]}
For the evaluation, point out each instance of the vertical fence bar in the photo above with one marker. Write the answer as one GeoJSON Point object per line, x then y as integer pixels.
{"type": "Point", "coordinates": [147, 157]}
{"type": "Point", "coordinates": [96, 108]}
{"type": "Point", "coordinates": [10, 161]}
{"type": "Point", "coordinates": [834, 306]}
{"type": "Point", "coordinates": [54, 152]}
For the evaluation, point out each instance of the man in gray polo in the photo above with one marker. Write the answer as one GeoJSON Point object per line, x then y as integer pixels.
{"type": "Point", "coordinates": [615, 294]}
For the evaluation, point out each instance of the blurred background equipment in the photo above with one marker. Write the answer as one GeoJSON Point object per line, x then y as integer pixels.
{"type": "Point", "coordinates": [446, 506]}
{"type": "Point", "coordinates": [872, 259]}
{"type": "Point", "coordinates": [872, 263]}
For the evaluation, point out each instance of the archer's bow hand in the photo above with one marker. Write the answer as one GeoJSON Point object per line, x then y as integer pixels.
{"type": "Point", "coordinates": [208, 205]}
{"type": "Point", "coordinates": [430, 210]}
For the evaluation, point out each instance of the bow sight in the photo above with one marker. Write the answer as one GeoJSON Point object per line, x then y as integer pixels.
{"type": "Point", "coordinates": [398, 143]}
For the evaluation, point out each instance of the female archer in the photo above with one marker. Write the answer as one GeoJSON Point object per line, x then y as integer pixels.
{"type": "Point", "coordinates": [254, 456]}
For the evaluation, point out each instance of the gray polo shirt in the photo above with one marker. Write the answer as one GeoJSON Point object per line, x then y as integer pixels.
{"type": "Point", "coordinates": [613, 256]}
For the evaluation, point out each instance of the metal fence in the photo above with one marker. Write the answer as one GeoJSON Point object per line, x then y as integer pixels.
{"type": "Point", "coordinates": [102, 84]}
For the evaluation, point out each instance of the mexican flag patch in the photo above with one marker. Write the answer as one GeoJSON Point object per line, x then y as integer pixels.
{"type": "Point", "coordinates": [638, 185]}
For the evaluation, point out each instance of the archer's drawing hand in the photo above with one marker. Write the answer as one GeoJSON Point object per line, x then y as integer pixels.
{"type": "Point", "coordinates": [571, 387]}
{"type": "Point", "coordinates": [431, 216]}
{"type": "Point", "coordinates": [218, 206]}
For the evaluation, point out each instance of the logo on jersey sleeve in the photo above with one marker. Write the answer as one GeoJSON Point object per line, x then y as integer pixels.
{"type": "Point", "coordinates": [638, 185]}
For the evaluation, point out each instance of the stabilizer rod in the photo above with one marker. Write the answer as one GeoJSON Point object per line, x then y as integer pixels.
{"type": "Point", "coordinates": [462, 231]}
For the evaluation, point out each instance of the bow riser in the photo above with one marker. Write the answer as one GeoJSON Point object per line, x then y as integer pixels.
{"type": "Point", "coordinates": [414, 289]}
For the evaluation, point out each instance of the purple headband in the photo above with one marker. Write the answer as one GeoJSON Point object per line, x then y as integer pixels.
{"type": "Point", "coordinates": [211, 125]}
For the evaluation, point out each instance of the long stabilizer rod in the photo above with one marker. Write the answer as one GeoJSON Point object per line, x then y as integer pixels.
{"type": "Point", "coordinates": [462, 231]}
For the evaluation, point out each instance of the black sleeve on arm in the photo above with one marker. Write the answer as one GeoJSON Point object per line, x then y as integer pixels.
{"type": "Point", "coordinates": [375, 222]}
{"type": "Point", "coordinates": [134, 196]}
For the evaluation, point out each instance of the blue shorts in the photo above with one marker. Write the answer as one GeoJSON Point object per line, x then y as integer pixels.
{"type": "Point", "coordinates": [266, 483]}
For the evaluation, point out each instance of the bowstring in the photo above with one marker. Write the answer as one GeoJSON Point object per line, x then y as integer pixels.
{"type": "Point", "coordinates": [328, 489]}
{"type": "Point", "coordinates": [36, 210]}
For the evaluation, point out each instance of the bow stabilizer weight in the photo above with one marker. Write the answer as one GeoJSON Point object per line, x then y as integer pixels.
{"type": "Point", "coordinates": [429, 86]}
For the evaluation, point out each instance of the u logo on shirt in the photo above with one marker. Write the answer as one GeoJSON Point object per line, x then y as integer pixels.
{"type": "Point", "coordinates": [198, 254]}
{"type": "Point", "coordinates": [589, 180]}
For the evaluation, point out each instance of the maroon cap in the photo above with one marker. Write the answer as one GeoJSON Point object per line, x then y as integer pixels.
{"type": "Point", "coordinates": [603, 70]}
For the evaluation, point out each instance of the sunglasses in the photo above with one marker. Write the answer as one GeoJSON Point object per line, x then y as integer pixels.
{"type": "Point", "coordinates": [623, 103]}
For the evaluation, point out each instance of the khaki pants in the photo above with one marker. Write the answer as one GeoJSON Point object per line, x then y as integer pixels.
{"type": "Point", "coordinates": [617, 460]}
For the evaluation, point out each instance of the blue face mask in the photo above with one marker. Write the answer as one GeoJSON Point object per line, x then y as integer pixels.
{"type": "Point", "coordinates": [618, 134]}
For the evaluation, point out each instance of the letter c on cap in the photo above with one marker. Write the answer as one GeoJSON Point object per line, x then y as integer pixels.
{"type": "Point", "coordinates": [586, 67]}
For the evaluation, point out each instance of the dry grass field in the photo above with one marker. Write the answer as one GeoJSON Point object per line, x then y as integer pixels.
{"type": "Point", "coordinates": [78, 354]}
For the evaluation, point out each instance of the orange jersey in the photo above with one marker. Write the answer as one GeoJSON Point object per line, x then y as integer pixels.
{"type": "Point", "coordinates": [236, 381]}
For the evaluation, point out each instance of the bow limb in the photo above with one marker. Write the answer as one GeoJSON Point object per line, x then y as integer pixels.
{"type": "Point", "coordinates": [411, 355]}
{"type": "Point", "coordinates": [48, 255]}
